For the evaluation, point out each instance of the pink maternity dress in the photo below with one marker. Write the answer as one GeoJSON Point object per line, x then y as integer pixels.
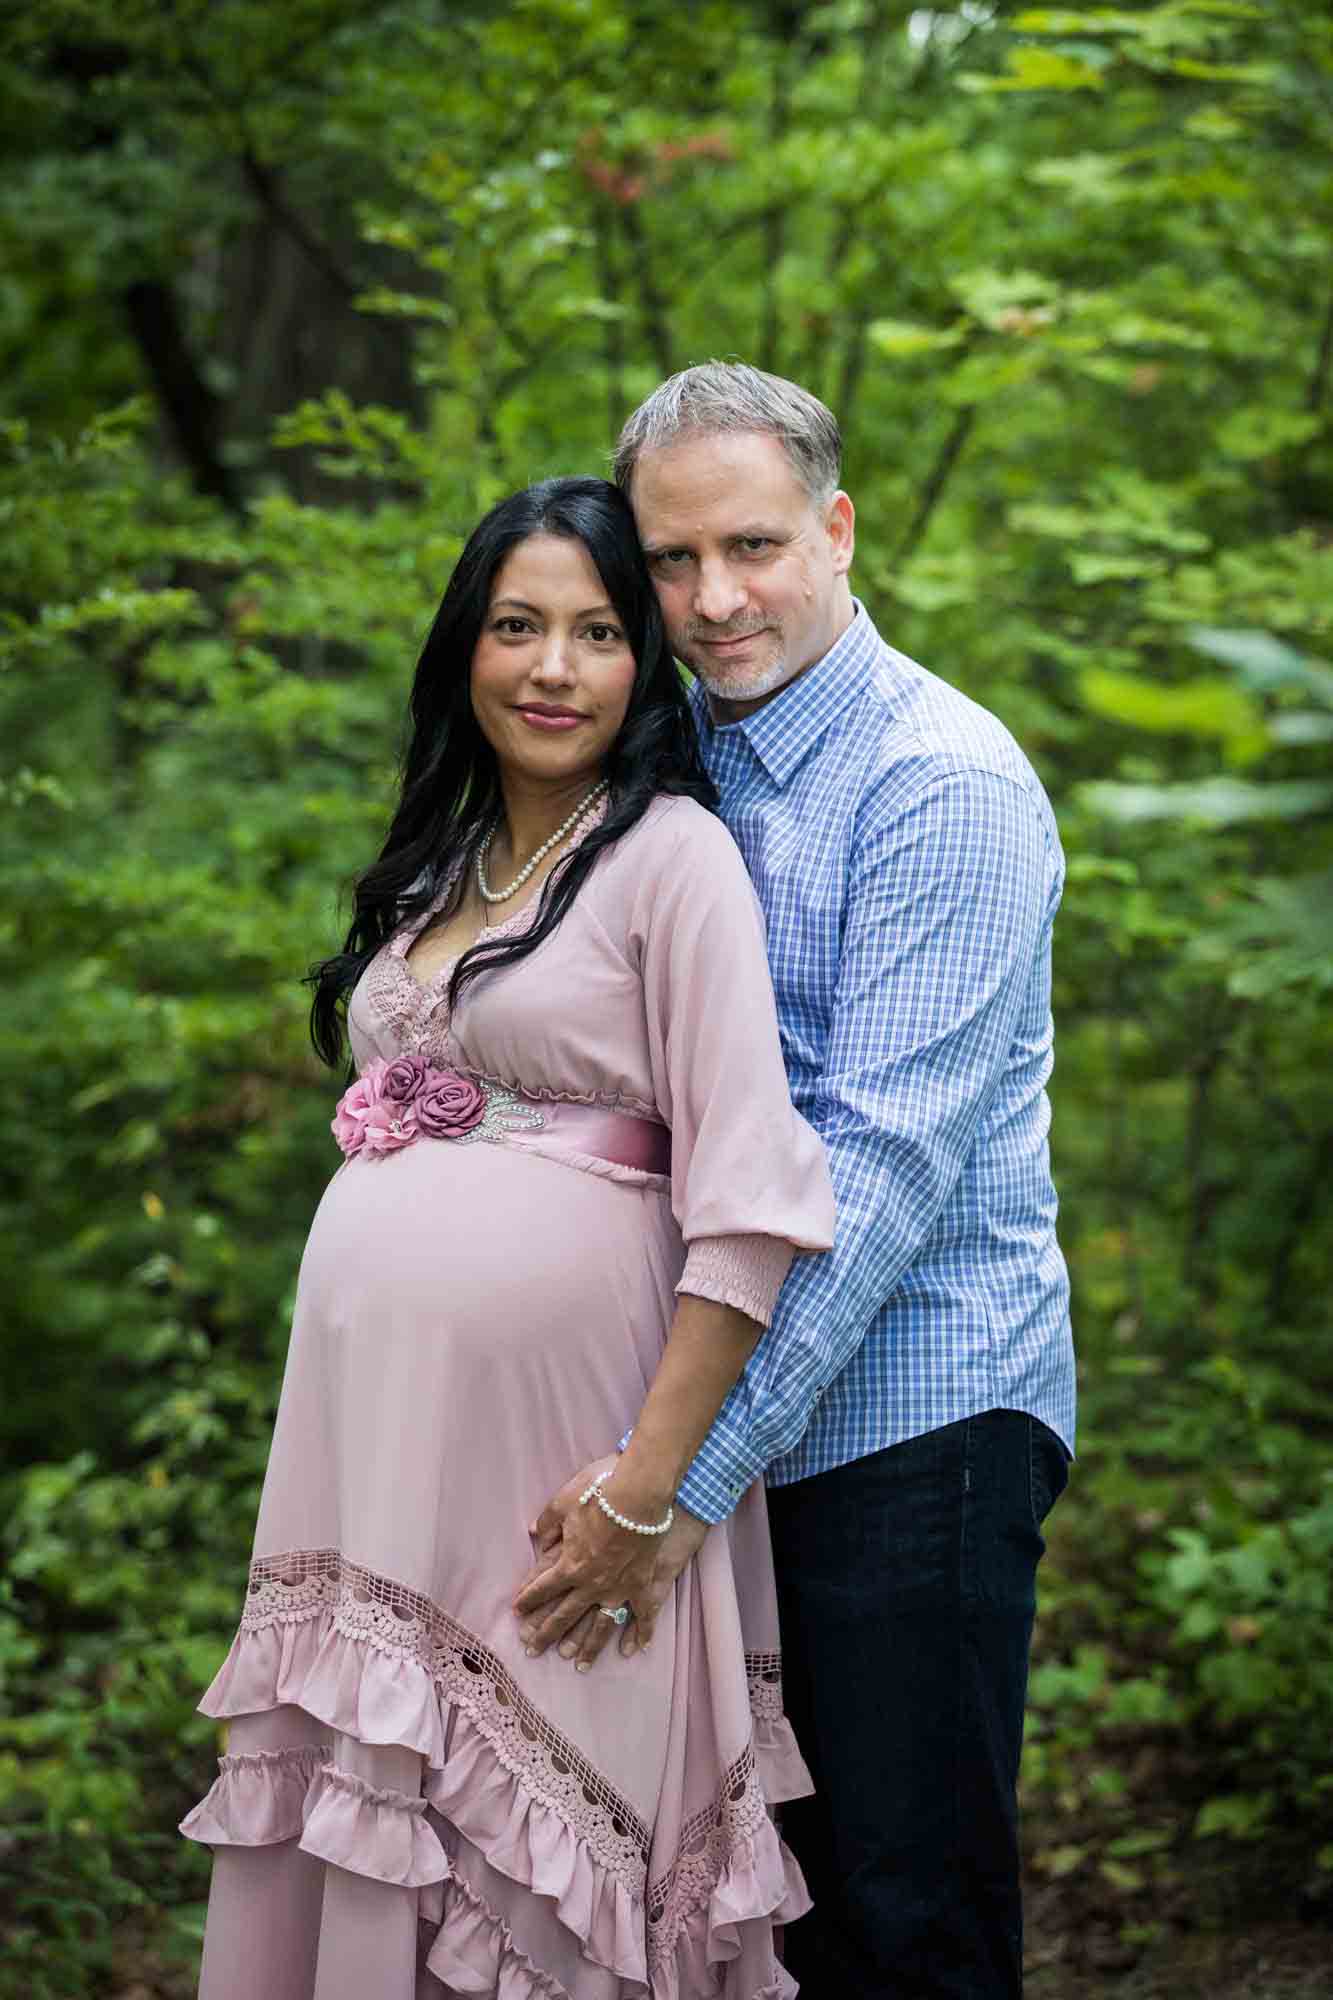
{"type": "Point", "coordinates": [410, 1807]}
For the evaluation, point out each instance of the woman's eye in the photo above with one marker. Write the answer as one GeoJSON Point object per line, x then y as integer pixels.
{"type": "Point", "coordinates": [512, 627]}
{"type": "Point", "coordinates": [602, 635]}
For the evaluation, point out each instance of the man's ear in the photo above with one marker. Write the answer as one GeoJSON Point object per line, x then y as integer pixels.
{"type": "Point", "coordinates": [840, 527]}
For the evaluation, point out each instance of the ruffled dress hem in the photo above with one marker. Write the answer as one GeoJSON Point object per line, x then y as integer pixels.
{"type": "Point", "coordinates": [673, 1941]}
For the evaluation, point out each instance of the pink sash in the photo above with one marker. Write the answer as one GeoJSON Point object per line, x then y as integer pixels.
{"type": "Point", "coordinates": [396, 1102]}
{"type": "Point", "coordinates": [617, 1136]}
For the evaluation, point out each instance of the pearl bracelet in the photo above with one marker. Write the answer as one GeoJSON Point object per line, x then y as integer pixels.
{"type": "Point", "coordinates": [595, 1492]}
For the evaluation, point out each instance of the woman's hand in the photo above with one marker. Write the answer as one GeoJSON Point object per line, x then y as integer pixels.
{"type": "Point", "coordinates": [585, 1561]}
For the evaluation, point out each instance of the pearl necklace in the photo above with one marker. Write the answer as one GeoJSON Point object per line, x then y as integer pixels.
{"type": "Point", "coordinates": [566, 827]}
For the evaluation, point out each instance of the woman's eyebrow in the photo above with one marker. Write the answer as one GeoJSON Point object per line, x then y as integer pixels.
{"type": "Point", "coordinates": [521, 604]}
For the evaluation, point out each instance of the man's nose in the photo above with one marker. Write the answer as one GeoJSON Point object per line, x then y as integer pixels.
{"type": "Point", "coordinates": [719, 593]}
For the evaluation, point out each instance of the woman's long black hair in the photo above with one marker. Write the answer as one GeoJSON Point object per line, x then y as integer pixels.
{"type": "Point", "coordinates": [451, 788]}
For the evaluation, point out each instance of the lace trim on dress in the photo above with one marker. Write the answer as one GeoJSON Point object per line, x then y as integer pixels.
{"type": "Point", "coordinates": [511, 926]}
{"type": "Point", "coordinates": [410, 1006]}
{"type": "Point", "coordinates": [419, 1020]}
{"type": "Point", "coordinates": [763, 1674]}
{"type": "Point", "coordinates": [402, 1623]}
{"type": "Point", "coordinates": [707, 1842]}
{"type": "Point", "coordinates": [392, 994]}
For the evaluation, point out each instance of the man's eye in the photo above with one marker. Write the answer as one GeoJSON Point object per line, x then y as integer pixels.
{"type": "Point", "coordinates": [754, 545]}
{"type": "Point", "coordinates": [671, 558]}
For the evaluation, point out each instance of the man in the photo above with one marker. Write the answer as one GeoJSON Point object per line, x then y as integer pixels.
{"type": "Point", "coordinates": [912, 1402]}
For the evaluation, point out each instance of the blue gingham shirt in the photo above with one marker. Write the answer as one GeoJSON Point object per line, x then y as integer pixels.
{"type": "Point", "coordinates": [909, 868]}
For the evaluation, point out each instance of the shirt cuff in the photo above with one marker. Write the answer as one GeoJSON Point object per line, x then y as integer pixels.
{"type": "Point", "coordinates": [724, 1468]}
{"type": "Point", "coordinates": [741, 1271]}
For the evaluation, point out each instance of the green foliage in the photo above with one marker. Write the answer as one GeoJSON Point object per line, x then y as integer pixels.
{"type": "Point", "coordinates": [292, 294]}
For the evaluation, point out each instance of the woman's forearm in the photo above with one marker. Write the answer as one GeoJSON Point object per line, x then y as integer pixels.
{"type": "Point", "coordinates": [708, 1346]}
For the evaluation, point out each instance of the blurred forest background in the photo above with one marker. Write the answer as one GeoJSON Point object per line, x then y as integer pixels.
{"type": "Point", "coordinates": [290, 290]}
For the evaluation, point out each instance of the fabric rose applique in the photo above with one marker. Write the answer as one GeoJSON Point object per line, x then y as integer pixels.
{"type": "Point", "coordinates": [393, 1103]}
{"type": "Point", "coordinates": [449, 1104]}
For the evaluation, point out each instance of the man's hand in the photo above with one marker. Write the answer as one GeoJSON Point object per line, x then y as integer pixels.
{"type": "Point", "coordinates": [585, 1561]}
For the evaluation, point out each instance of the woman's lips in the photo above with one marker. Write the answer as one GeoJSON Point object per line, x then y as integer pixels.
{"type": "Point", "coordinates": [554, 725]}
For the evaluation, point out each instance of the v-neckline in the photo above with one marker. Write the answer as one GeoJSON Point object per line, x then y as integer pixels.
{"type": "Point", "coordinates": [402, 942]}
{"type": "Point", "coordinates": [486, 935]}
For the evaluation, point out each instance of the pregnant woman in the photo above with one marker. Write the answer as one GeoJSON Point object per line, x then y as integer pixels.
{"type": "Point", "coordinates": [573, 1182]}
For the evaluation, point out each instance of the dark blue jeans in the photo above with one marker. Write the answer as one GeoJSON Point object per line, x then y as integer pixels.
{"type": "Point", "coordinates": [906, 1588]}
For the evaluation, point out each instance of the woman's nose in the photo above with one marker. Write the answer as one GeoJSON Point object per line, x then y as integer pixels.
{"type": "Point", "coordinates": [555, 668]}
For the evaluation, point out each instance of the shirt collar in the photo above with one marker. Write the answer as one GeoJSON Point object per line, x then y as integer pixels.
{"type": "Point", "coordinates": [785, 730]}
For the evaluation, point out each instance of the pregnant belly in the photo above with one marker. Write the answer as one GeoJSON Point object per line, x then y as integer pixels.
{"type": "Point", "coordinates": [500, 1257]}
{"type": "Point", "coordinates": [473, 1325]}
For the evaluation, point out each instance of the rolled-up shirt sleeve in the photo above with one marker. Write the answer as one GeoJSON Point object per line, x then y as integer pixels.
{"type": "Point", "coordinates": [948, 899]}
{"type": "Point", "coordinates": [749, 1181]}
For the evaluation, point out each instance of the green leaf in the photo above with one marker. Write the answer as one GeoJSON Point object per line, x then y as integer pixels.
{"type": "Point", "coordinates": [1204, 707]}
{"type": "Point", "coordinates": [1237, 1816]}
{"type": "Point", "coordinates": [1148, 1840]}
{"type": "Point", "coordinates": [1295, 728]}
{"type": "Point", "coordinates": [1083, 868]}
{"type": "Point", "coordinates": [900, 337]}
{"type": "Point", "coordinates": [1038, 69]}
{"type": "Point", "coordinates": [989, 293]}
{"type": "Point", "coordinates": [1261, 430]}
{"type": "Point", "coordinates": [1091, 566]}
{"type": "Point", "coordinates": [1192, 1562]}
{"type": "Point", "coordinates": [1071, 21]}
{"type": "Point", "coordinates": [1212, 801]}
{"type": "Point", "coordinates": [1096, 178]}
{"type": "Point", "coordinates": [1212, 72]}
{"type": "Point", "coordinates": [1060, 1861]}
{"type": "Point", "coordinates": [1128, 1881]}
{"type": "Point", "coordinates": [1262, 661]}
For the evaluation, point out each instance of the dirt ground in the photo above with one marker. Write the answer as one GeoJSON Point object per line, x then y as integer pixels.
{"type": "Point", "coordinates": [1179, 1920]}
{"type": "Point", "coordinates": [1264, 1961]}
{"type": "Point", "coordinates": [1192, 1934]}
{"type": "Point", "coordinates": [1073, 1953]}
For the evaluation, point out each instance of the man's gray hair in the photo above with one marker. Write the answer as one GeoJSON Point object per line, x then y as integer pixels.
{"type": "Point", "coordinates": [730, 396]}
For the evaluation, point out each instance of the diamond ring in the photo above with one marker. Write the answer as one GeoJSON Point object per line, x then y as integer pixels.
{"type": "Point", "coordinates": [617, 1613]}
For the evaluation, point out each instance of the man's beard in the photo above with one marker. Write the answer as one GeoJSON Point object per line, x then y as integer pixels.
{"type": "Point", "coordinates": [747, 683]}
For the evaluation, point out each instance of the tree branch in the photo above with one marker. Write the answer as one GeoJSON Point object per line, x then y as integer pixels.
{"type": "Point", "coordinates": [1314, 395]}
{"type": "Point", "coordinates": [1203, 1189]}
{"type": "Point", "coordinates": [873, 40]}
{"type": "Point", "coordinates": [849, 377]}
{"type": "Point", "coordinates": [656, 326]}
{"type": "Point", "coordinates": [263, 183]}
{"type": "Point", "coordinates": [261, 180]}
{"type": "Point", "coordinates": [1300, 1216]}
{"type": "Point", "coordinates": [775, 225]}
{"type": "Point", "coordinates": [192, 410]}
{"type": "Point", "coordinates": [614, 327]}
{"type": "Point", "coordinates": [937, 479]}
